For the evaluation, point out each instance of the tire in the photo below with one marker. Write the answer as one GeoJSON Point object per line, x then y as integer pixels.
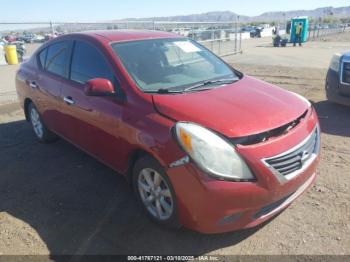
{"type": "Point", "coordinates": [328, 94]}
{"type": "Point", "coordinates": [43, 134]}
{"type": "Point", "coordinates": [151, 185]}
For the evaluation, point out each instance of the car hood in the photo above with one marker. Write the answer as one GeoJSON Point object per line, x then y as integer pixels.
{"type": "Point", "coordinates": [246, 107]}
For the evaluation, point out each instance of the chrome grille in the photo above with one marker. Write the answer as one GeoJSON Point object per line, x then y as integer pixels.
{"type": "Point", "coordinates": [345, 73]}
{"type": "Point", "coordinates": [289, 164]}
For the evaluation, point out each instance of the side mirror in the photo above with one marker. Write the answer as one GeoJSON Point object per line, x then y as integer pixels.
{"type": "Point", "coordinates": [99, 87]}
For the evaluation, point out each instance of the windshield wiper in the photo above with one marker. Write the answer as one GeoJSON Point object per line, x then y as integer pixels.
{"type": "Point", "coordinates": [197, 86]}
{"type": "Point", "coordinates": [163, 91]}
{"type": "Point", "coordinates": [210, 82]}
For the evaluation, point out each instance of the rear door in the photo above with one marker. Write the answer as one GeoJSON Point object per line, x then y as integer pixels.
{"type": "Point", "coordinates": [93, 122]}
{"type": "Point", "coordinates": [53, 64]}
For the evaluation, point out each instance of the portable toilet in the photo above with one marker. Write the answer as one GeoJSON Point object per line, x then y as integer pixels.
{"type": "Point", "coordinates": [304, 20]}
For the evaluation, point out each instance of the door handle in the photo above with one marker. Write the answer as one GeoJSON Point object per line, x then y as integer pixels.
{"type": "Point", "coordinates": [68, 100]}
{"type": "Point", "coordinates": [33, 85]}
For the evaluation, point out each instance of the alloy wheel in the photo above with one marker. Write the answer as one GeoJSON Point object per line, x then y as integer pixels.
{"type": "Point", "coordinates": [155, 194]}
{"type": "Point", "coordinates": [36, 122]}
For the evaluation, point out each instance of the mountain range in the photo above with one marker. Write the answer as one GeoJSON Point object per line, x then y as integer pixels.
{"type": "Point", "coordinates": [220, 16]}
{"type": "Point", "coordinates": [217, 16]}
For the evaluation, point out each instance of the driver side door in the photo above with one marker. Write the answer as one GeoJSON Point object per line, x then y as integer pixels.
{"type": "Point", "coordinates": [92, 122]}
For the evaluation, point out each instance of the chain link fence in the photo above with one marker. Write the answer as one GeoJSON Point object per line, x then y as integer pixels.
{"type": "Point", "coordinates": [223, 38]}
{"type": "Point", "coordinates": [317, 31]}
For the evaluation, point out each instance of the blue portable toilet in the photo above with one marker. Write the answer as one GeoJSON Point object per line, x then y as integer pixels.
{"type": "Point", "coordinates": [305, 33]}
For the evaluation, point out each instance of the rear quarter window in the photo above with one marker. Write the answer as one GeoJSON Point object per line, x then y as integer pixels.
{"type": "Point", "coordinates": [57, 57]}
{"type": "Point", "coordinates": [42, 58]}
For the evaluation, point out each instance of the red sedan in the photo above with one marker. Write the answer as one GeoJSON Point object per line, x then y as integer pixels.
{"type": "Point", "coordinates": [204, 145]}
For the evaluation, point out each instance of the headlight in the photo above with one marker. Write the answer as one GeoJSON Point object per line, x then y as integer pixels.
{"type": "Point", "coordinates": [335, 62]}
{"type": "Point", "coordinates": [211, 152]}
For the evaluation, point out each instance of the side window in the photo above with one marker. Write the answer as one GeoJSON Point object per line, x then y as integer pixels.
{"type": "Point", "coordinates": [42, 58]}
{"type": "Point", "coordinates": [88, 63]}
{"type": "Point", "coordinates": [56, 58]}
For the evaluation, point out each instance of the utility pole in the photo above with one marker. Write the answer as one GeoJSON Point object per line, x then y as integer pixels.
{"type": "Point", "coordinates": [236, 33]}
{"type": "Point", "coordinates": [52, 29]}
{"type": "Point", "coordinates": [240, 36]}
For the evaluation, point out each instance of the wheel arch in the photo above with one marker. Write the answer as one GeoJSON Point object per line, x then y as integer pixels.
{"type": "Point", "coordinates": [136, 155]}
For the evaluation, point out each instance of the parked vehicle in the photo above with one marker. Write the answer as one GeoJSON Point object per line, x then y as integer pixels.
{"type": "Point", "coordinates": [203, 145]}
{"type": "Point", "coordinates": [10, 38]}
{"type": "Point", "coordinates": [3, 42]}
{"type": "Point", "coordinates": [256, 32]}
{"type": "Point", "coordinates": [247, 29]}
{"type": "Point", "coordinates": [27, 38]}
{"type": "Point", "coordinates": [38, 39]}
{"type": "Point", "coordinates": [21, 50]}
{"type": "Point", "coordinates": [50, 36]}
{"type": "Point", "coordinates": [338, 79]}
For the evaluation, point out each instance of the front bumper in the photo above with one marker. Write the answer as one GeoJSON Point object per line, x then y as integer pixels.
{"type": "Point", "coordinates": [334, 96]}
{"type": "Point", "coordinates": [208, 205]}
{"type": "Point", "coordinates": [335, 91]}
{"type": "Point", "coordinates": [220, 206]}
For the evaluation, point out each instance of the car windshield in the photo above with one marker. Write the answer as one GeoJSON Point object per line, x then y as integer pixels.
{"type": "Point", "coordinates": [171, 64]}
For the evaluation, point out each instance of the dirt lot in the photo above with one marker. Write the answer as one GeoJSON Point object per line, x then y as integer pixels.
{"type": "Point", "coordinates": [314, 54]}
{"type": "Point", "coordinates": [54, 199]}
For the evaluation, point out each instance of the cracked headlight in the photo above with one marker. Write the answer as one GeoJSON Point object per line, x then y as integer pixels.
{"type": "Point", "coordinates": [212, 153]}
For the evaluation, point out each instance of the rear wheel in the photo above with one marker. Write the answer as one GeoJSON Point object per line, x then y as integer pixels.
{"type": "Point", "coordinates": [155, 193]}
{"type": "Point", "coordinates": [42, 133]}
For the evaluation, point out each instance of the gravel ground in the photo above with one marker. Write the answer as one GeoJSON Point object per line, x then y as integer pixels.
{"type": "Point", "coordinates": [54, 199]}
{"type": "Point", "coordinates": [57, 200]}
{"type": "Point", "coordinates": [313, 54]}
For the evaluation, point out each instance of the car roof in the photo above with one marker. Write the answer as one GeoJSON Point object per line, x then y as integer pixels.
{"type": "Point", "coordinates": [128, 35]}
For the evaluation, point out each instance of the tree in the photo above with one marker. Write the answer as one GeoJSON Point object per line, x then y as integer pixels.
{"type": "Point", "coordinates": [254, 23]}
{"type": "Point", "coordinates": [330, 20]}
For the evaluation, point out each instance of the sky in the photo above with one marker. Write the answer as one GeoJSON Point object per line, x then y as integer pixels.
{"type": "Point", "coordinates": [101, 10]}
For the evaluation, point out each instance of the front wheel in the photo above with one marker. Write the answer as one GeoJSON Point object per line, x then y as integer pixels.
{"type": "Point", "coordinates": [155, 193]}
{"type": "Point", "coordinates": [42, 133]}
